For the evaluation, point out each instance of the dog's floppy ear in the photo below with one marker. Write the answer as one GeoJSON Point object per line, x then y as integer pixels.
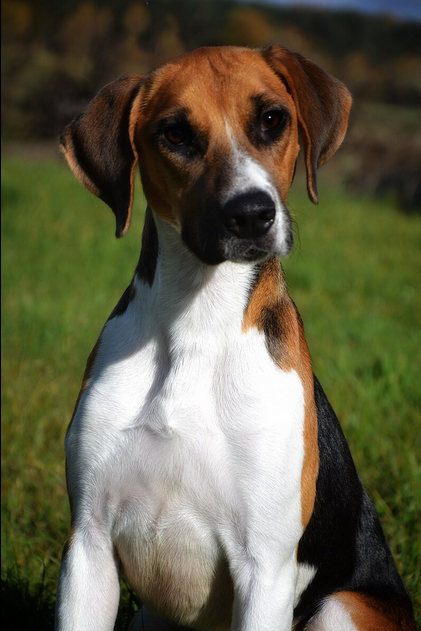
{"type": "Point", "coordinates": [322, 103]}
{"type": "Point", "coordinates": [99, 147]}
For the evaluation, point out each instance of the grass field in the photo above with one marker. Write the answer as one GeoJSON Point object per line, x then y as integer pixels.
{"type": "Point", "coordinates": [355, 277]}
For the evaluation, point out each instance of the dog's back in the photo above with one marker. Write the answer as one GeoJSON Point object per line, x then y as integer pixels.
{"type": "Point", "coordinates": [344, 540]}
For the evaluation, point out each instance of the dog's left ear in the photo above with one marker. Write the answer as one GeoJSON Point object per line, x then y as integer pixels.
{"type": "Point", "coordinates": [99, 146]}
{"type": "Point", "coordinates": [323, 104]}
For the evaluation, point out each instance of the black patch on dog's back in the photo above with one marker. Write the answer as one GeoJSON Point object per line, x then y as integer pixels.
{"type": "Point", "coordinates": [344, 540]}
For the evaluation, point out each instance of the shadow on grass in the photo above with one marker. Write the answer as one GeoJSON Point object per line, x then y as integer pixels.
{"type": "Point", "coordinates": [27, 608]}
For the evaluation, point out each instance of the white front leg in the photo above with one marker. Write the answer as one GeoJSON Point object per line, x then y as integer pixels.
{"type": "Point", "coordinates": [265, 599]}
{"type": "Point", "coordinates": [89, 587]}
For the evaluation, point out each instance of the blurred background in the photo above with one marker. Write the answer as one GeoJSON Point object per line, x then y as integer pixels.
{"type": "Point", "coordinates": [56, 55]}
{"type": "Point", "coordinates": [354, 274]}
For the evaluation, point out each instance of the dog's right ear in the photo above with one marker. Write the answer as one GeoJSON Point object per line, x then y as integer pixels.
{"type": "Point", "coordinates": [99, 146]}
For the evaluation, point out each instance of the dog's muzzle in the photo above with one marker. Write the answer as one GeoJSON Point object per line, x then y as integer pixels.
{"type": "Point", "coordinates": [249, 216]}
{"type": "Point", "coordinates": [246, 228]}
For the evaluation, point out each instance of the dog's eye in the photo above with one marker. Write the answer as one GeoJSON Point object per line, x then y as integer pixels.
{"type": "Point", "coordinates": [175, 135]}
{"type": "Point", "coordinates": [270, 120]}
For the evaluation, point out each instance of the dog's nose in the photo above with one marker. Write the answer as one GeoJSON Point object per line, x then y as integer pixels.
{"type": "Point", "coordinates": [249, 215]}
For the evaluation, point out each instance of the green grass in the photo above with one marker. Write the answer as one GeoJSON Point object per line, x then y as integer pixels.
{"type": "Point", "coordinates": [355, 278]}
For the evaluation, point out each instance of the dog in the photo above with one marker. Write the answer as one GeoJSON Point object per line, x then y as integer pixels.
{"type": "Point", "coordinates": [204, 461]}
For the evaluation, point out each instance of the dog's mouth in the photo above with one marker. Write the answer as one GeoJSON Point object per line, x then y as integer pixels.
{"type": "Point", "coordinates": [254, 250]}
{"type": "Point", "coordinates": [214, 244]}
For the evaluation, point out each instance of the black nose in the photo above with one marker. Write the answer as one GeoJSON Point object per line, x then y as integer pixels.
{"type": "Point", "coordinates": [249, 215]}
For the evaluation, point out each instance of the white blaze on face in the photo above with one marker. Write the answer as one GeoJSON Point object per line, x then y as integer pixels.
{"type": "Point", "coordinates": [247, 176]}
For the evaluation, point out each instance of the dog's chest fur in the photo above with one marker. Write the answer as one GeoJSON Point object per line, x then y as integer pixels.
{"type": "Point", "coordinates": [185, 434]}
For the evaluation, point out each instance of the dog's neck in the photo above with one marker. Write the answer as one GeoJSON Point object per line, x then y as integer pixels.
{"type": "Point", "coordinates": [195, 298]}
{"type": "Point", "coordinates": [192, 303]}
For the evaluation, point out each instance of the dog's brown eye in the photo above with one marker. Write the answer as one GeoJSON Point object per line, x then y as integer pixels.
{"type": "Point", "coordinates": [175, 135]}
{"type": "Point", "coordinates": [270, 120]}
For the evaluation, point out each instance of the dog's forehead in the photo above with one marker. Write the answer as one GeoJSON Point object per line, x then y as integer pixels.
{"type": "Point", "coordinates": [213, 79]}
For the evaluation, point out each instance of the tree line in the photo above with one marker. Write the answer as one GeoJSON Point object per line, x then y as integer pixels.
{"type": "Point", "coordinates": [56, 55]}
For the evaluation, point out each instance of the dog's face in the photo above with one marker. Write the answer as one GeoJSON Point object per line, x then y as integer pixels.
{"type": "Point", "coordinates": [216, 134]}
{"type": "Point", "coordinates": [217, 140]}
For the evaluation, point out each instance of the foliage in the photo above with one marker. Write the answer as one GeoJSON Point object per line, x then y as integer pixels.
{"type": "Point", "coordinates": [390, 172]}
{"type": "Point", "coordinates": [55, 56]}
{"type": "Point", "coordinates": [354, 277]}
{"type": "Point", "coordinates": [383, 153]}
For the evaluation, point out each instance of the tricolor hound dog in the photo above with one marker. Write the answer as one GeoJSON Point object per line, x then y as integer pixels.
{"type": "Point", "coordinates": [204, 461]}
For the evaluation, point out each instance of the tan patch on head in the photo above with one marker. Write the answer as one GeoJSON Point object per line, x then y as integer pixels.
{"type": "Point", "coordinates": [273, 312]}
{"type": "Point", "coordinates": [206, 85]}
{"type": "Point", "coordinates": [372, 614]}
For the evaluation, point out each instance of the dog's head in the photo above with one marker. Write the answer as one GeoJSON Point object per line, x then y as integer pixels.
{"type": "Point", "coordinates": [216, 133]}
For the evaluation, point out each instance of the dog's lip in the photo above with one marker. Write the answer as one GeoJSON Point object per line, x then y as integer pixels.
{"type": "Point", "coordinates": [252, 249]}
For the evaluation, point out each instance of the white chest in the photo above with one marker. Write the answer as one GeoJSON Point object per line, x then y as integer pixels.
{"type": "Point", "coordinates": [188, 447]}
{"type": "Point", "coordinates": [229, 406]}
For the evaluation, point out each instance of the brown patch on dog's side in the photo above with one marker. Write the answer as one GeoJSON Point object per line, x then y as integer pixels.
{"type": "Point", "coordinates": [273, 312]}
{"type": "Point", "coordinates": [372, 614]}
{"type": "Point", "coordinates": [311, 448]}
{"type": "Point", "coordinates": [266, 293]}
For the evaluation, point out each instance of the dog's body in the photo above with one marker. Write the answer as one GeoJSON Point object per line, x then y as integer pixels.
{"type": "Point", "coordinates": [203, 459]}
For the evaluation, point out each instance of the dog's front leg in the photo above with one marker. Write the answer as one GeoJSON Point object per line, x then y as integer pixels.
{"type": "Point", "coordinates": [264, 598]}
{"type": "Point", "coordinates": [89, 588]}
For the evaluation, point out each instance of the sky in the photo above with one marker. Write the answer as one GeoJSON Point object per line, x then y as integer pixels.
{"type": "Point", "coordinates": [404, 9]}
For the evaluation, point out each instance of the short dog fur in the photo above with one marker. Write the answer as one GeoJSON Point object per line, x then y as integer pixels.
{"type": "Point", "coordinates": [204, 462]}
